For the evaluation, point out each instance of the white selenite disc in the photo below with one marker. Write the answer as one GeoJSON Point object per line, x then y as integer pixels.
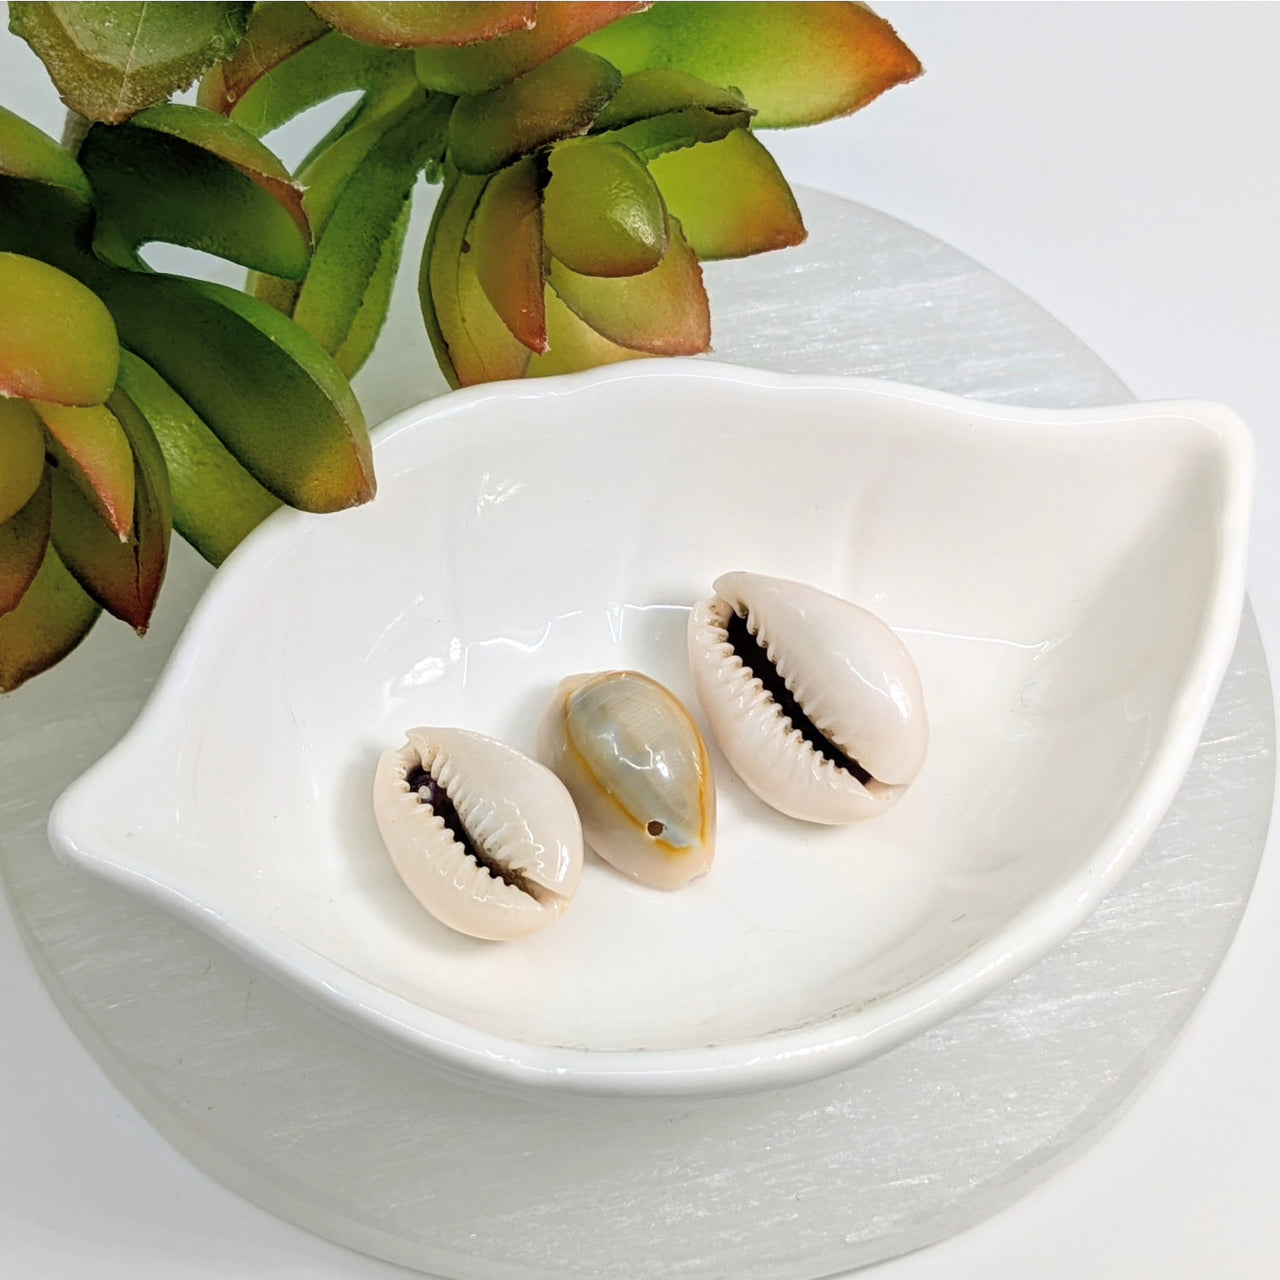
{"type": "Point", "coordinates": [345, 1137]}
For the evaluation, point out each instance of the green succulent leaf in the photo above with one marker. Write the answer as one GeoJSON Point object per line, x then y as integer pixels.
{"type": "Point", "coordinates": [184, 175]}
{"type": "Point", "coordinates": [45, 209]}
{"type": "Point", "coordinates": [21, 456]}
{"type": "Point", "coordinates": [410, 23]}
{"type": "Point", "coordinates": [90, 445]}
{"type": "Point", "coordinates": [227, 140]}
{"type": "Point", "coordinates": [109, 60]}
{"type": "Point", "coordinates": [484, 65]}
{"type": "Point", "coordinates": [662, 109]}
{"type": "Point", "coordinates": [506, 244]}
{"type": "Point", "coordinates": [357, 198]}
{"type": "Point", "coordinates": [471, 342]}
{"type": "Point", "coordinates": [265, 388]}
{"type": "Point", "coordinates": [23, 538]}
{"type": "Point", "coordinates": [216, 502]}
{"type": "Point", "coordinates": [730, 197]}
{"type": "Point", "coordinates": [123, 577]}
{"type": "Point", "coordinates": [278, 294]}
{"type": "Point", "coordinates": [654, 136]}
{"type": "Point", "coordinates": [45, 221]}
{"type": "Point", "coordinates": [369, 319]}
{"type": "Point", "coordinates": [27, 152]}
{"type": "Point", "coordinates": [663, 311]}
{"type": "Point", "coordinates": [52, 617]}
{"type": "Point", "coordinates": [350, 123]}
{"type": "Point", "coordinates": [277, 29]}
{"type": "Point", "coordinates": [573, 345]}
{"type": "Point", "coordinates": [316, 72]}
{"type": "Point", "coordinates": [57, 341]}
{"type": "Point", "coordinates": [658, 92]}
{"type": "Point", "coordinates": [327, 174]}
{"type": "Point", "coordinates": [558, 99]}
{"type": "Point", "coordinates": [359, 190]}
{"type": "Point", "coordinates": [603, 213]}
{"type": "Point", "coordinates": [796, 63]}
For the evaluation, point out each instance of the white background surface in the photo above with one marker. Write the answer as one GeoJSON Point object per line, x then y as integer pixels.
{"type": "Point", "coordinates": [1121, 164]}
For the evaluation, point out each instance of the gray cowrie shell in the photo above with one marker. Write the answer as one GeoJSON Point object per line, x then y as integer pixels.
{"type": "Point", "coordinates": [638, 770]}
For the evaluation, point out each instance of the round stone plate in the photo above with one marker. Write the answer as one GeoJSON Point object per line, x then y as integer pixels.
{"type": "Point", "coordinates": [334, 1131]}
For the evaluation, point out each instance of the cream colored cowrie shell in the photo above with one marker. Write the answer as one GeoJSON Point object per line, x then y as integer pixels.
{"type": "Point", "coordinates": [638, 771]}
{"type": "Point", "coordinates": [814, 701]}
{"type": "Point", "coordinates": [484, 837]}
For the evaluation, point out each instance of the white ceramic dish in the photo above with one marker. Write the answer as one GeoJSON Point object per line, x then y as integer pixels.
{"type": "Point", "coordinates": [1069, 583]}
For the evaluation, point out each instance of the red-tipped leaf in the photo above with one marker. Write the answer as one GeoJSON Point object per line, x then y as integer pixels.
{"type": "Point", "coordinates": [52, 618]}
{"type": "Point", "coordinates": [57, 340]}
{"type": "Point", "coordinates": [90, 444]}
{"type": "Point", "coordinates": [506, 245]}
{"type": "Point", "coordinates": [796, 63]}
{"type": "Point", "coordinates": [664, 311]}
{"type": "Point", "coordinates": [468, 336]}
{"type": "Point", "coordinates": [730, 197]}
{"type": "Point", "coordinates": [603, 213]}
{"type": "Point", "coordinates": [123, 577]}
{"type": "Point", "coordinates": [574, 345]}
{"type": "Point", "coordinates": [23, 538]}
{"type": "Point", "coordinates": [21, 456]}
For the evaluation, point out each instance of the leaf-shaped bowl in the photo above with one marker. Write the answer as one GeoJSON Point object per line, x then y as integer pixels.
{"type": "Point", "coordinates": [1069, 583]}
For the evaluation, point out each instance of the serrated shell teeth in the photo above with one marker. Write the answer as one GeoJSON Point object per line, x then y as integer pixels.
{"type": "Point", "coordinates": [503, 855]}
{"type": "Point", "coordinates": [637, 769]}
{"type": "Point", "coordinates": [814, 701]}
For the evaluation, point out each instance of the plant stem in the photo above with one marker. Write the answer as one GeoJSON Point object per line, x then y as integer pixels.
{"type": "Point", "coordinates": [74, 129]}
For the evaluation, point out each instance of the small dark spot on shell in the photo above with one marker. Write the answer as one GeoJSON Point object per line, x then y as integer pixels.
{"type": "Point", "coordinates": [655, 828]}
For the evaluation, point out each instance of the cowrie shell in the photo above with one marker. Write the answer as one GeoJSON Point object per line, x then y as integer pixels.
{"type": "Point", "coordinates": [638, 770]}
{"type": "Point", "coordinates": [815, 702]}
{"type": "Point", "coordinates": [499, 852]}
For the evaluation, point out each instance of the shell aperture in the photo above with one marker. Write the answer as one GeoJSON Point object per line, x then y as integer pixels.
{"type": "Point", "coordinates": [638, 770]}
{"type": "Point", "coordinates": [485, 838]}
{"type": "Point", "coordinates": [815, 702]}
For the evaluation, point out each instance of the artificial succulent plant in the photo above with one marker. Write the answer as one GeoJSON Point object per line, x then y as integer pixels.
{"type": "Point", "coordinates": [590, 156]}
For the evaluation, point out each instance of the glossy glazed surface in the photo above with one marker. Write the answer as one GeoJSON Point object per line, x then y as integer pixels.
{"type": "Point", "coordinates": [1066, 656]}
